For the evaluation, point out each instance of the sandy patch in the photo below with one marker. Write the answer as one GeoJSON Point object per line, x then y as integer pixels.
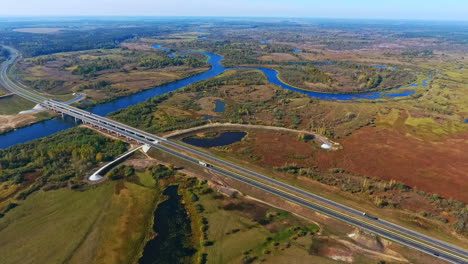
{"type": "Point", "coordinates": [10, 122]}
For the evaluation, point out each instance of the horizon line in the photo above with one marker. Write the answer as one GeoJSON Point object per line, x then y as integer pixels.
{"type": "Point", "coordinates": [237, 17]}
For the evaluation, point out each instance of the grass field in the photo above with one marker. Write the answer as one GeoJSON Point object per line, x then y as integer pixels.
{"type": "Point", "coordinates": [14, 104]}
{"type": "Point", "coordinates": [105, 224]}
{"type": "Point", "coordinates": [49, 226]}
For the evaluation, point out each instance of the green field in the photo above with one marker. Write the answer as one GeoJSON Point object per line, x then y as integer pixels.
{"type": "Point", "coordinates": [104, 224]}
{"type": "Point", "coordinates": [14, 104]}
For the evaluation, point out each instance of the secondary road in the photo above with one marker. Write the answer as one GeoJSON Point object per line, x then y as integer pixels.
{"type": "Point", "coordinates": [391, 231]}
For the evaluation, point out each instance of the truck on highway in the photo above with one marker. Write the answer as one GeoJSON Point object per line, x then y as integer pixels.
{"type": "Point", "coordinates": [202, 163]}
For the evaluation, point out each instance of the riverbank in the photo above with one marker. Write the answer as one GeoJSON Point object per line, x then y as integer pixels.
{"type": "Point", "coordinates": [10, 123]}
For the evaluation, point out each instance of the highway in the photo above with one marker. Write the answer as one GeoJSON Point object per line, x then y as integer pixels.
{"type": "Point", "coordinates": [288, 192]}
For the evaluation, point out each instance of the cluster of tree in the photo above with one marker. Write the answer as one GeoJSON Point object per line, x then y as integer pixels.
{"type": "Point", "coordinates": [44, 85]}
{"type": "Point", "coordinates": [93, 67]}
{"type": "Point", "coordinates": [63, 156]}
{"type": "Point", "coordinates": [99, 85]}
{"type": "Point", "coordinates": [242, 78]}
{"type": "Point", "coordinates": [368, 81]}
{"type": "Point", "coordinates": [417, 53]}
{"type": "Point", "coordinates": [102, 37]}
{"type": "Point", "coordinates": [121, 172]}
{"type": "Point", "coordinates": [161, 172]}
{"type": "Point", "coordinates": [154, 63]}
{"type": "Point", "coordinates": [4, 54]}
{"type": "Point", "coordinates": [297, 75]}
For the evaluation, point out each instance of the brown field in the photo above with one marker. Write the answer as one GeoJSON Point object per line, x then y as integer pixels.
{"type": "Point", "coordinates": [136, 46]}
{"type": "Point", "coordinates": [276, 149]}
{"type": "Point", "coordinates": [438, 167]}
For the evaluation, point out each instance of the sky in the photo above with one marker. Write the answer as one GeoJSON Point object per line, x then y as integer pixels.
{"type": "Point", "coordinates": [389, 9]}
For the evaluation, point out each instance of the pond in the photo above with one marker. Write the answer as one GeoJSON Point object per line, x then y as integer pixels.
{"type": "Point", "coordinates": [226, 138]}
{"type": "Point", "coordinates": [172, 226]}
{"type": "Point", "coordinates": [220, 107]}
{"type": "Point", "coordinates": [380, 66]}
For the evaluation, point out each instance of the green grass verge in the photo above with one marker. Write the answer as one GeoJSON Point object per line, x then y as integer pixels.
{"type": "Point", "coordinates": [14, 104]}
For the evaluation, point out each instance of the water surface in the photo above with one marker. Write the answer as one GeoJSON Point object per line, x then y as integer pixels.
{"type": "Point", "coordinates": [220, 106]}
{"type": "Point", "coordinates": [224, 139]}
{"type": "Point", "coordinates": [172, 226]}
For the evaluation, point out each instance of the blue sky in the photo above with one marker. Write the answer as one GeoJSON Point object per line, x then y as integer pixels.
{"type": "Point", "coordinates": [399, 9]}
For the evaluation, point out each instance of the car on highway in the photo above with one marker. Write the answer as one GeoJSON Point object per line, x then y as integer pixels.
{"type": "Point", "coordinates": [370, 216]}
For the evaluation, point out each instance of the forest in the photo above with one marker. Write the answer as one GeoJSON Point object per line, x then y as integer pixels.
{"type": "Point", "coordinates": [61, 157]}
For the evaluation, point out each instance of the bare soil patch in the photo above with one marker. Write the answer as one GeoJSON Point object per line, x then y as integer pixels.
{"type": "Point", "coordinates": [276, 149]}
{"type": "Point", "coordinates": [10, 122]}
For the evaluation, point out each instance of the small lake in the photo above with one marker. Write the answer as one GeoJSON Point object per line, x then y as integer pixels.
{"type": "Point", "coordinates": [380, 66]}
{"type": "Point", "coordinates": [220, 107]}
{"type": "Point", "coordinates": [172, 225]}
{"type": "Point", "coordinates": [226, 138]}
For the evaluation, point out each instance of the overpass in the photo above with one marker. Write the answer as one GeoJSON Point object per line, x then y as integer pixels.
{"type": "Point", "coordinates": [288, 192]}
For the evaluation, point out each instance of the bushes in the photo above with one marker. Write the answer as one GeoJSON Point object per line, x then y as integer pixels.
{"type": "Point", "coordinates": [121, 172]}
{"type": "Point", "coordinates": [462, 224]}
{"type": "Point", "coordinates": [161, 172]}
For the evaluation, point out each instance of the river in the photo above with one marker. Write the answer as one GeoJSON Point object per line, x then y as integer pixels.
{"type": "Point", "coordinates": [53, 126]}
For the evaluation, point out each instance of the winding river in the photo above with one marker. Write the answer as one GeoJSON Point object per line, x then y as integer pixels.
{"type": "Point", "coordinates": [53, 126]}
